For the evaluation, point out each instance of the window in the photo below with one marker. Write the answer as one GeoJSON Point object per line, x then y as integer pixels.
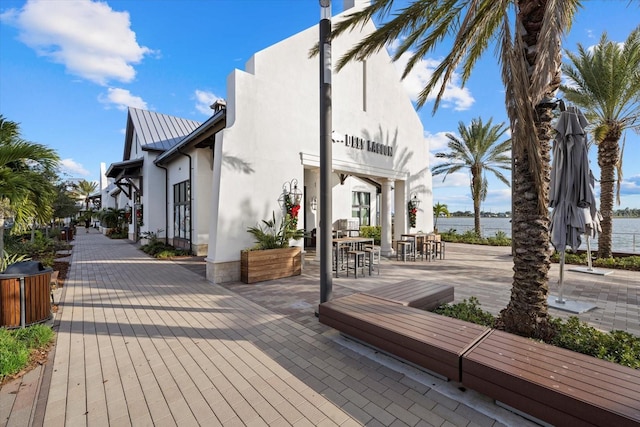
{"type": "Point", "coordinates": [181, 210]}
{"type": "Point", "coordinates": [361, 207]}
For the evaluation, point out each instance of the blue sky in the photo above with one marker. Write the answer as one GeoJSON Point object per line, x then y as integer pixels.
{"type": "Point", "coordinates": [70, 68]}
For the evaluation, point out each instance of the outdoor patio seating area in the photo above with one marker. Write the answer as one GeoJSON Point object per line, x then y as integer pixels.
{"type": "Point", "coordinates": [423, 246]}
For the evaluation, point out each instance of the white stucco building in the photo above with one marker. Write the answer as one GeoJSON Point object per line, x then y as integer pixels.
{"type": "Point", "coordinates": [228, 173]}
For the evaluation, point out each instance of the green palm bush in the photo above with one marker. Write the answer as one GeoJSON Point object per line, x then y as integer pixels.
{"type": "Point", "coordinates": [273, 235]}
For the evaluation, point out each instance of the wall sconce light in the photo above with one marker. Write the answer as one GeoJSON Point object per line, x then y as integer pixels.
{"type": "Point", "coordinates": [415, 201]}
{"type": "Point", "coordinates": [314, 204]}
{"type": "Point", "coordinates": [291, 189]}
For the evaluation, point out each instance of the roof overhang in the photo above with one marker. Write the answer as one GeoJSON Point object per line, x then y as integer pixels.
{"type": "Point", "coordinates": [123, 174]}
{"type": "Point", "coordinates": [126, 169]}
{"type": "Point", "coordinates": [203, 137]}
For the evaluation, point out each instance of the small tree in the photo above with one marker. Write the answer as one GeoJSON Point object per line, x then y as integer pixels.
{"type": "Point", "coordinates": [439, 209]}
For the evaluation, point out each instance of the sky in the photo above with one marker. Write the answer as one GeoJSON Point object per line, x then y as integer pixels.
{"type": "Point", "coordinates": [70, 68]}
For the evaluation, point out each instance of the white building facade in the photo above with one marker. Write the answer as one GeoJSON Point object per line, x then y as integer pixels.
{"type": "Point", "coordinates": [230, 172]}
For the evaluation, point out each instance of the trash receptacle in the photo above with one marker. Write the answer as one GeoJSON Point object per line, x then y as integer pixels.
{"type": "Point", "coordinates": [25, 294]}
{"type": "Point", "coordinates": [25, 267]}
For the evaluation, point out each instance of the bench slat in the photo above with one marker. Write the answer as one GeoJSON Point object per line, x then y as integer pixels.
{"type": "Point", "coordinates": [429, 340]}
{"type": "Point", "coordinates": [560, 368]}
{"type": "Point", "coordinates": [554, 384]}
{"type": "Point", "coordinates": [415, 293]}
{"type": "Point", "coordinates": [415, 323]}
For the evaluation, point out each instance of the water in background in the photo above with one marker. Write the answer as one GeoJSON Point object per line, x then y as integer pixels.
{"type": "Point", "coordinates": [625, 236]}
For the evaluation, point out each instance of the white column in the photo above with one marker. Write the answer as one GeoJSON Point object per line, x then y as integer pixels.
{"type": "Point", "coordinates": [316, 214]}
{"type": "Point", "coordinates": [385, 218]}
{"type": "Point", "coordinates": [400, 208]}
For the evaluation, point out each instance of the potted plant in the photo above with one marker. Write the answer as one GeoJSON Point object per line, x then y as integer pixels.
{"type": "Point", "coordinates": [272, 257]}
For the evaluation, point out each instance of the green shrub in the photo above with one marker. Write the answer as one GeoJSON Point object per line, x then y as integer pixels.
{"type": "Point", "coordinates": [34, 336]}
{"type": "Point", "coordinates": [470, 237]}
{"type": "Point", "coordinates": [14, 355]}
{"type": "Point", "coordinates": [500, 239]}
{"type": "Point", "coordinates": [469, 311]}
{"type": "Point", "coordinates": [16, 345]}
{"type": "Point", "coordinates": [157, 248]}
{"type": "Point", "coordinates": [371, 232]}
{"type": "Point", "coordinates": [171, 252]}
{"type": "Point", "coordinates": [41, 249]}
{"type": "Point", "coordinates": [617, 346]}
{"type": "Point", "coordinates": [570, 258]}
{"type": "Point", "coordinates": [8, 259]}
{"type": "Point", "coordinates": [117, 233]}
{"type": "Point", "coordinates": [624, 263]}
{"type": "Point", "coordinates": [271, 235]}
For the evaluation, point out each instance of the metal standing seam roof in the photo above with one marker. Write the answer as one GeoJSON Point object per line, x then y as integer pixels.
{"type": "Point", "coordinates": [159, 132]}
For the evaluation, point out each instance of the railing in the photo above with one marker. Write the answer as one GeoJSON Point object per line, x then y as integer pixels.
{"type": "Point", "coordinates": [620, 242]}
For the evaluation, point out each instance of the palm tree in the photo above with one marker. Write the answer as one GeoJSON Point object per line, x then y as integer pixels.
{"type": "Point", "coordinates": [26, 192]}
{"type": "Point", "coordinates": [112, 218]}
{"type": "Point", "coordinates": [439, 209]}
{"type": "Point", "coordinates": [84, 189]}
{"type": "Point", "coordinates": [529, 51]}
{"type": "Point", "coordinates": [478, 150]}
{"type": "Point", "coordinates": [605, 82]}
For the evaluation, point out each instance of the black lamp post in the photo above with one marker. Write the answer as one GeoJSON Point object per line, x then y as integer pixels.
{"type": "Point", "coordinates": [326, 279]}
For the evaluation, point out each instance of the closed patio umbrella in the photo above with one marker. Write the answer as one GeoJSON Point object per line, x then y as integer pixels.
{"type": "Point", "coordinates": [571, 194]}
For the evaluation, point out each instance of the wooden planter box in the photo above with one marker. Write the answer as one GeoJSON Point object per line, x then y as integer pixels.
{"type": "Point", "coordinates": [270, 264]}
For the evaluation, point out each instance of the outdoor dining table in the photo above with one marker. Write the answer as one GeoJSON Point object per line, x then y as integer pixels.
{"type": "Point", "coordinates": [419, 240]}
{"type": "Point", "coordinates": [353, 242]}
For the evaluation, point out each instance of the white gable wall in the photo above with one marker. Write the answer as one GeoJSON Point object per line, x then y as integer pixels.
{"type": "Point", "coordinates": [272, 134]}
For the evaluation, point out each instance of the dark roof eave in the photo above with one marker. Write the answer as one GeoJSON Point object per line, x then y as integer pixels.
{"type": "Point", "coordinates": [115, 169]}
{"type": "Point", "coordinates": [217, 118]}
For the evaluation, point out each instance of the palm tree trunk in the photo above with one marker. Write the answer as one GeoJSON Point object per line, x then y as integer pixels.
{"type": "Point", "coordinates": [476, 193]}
{"type": "Point", "coordinates": [527, 311]}
{"type": "Point", "coordinates": [476, 217]}
{"type": "Point", "coordinates": [608, 156]}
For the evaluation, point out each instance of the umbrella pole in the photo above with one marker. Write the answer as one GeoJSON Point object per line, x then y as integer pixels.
{"type": "Point", "coordinates": [589, 266]}
{"type": "Point", "coordinates": [560, 300]}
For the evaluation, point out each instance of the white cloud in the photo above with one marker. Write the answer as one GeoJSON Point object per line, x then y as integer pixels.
{"type": "Point", "coordinates": [438, 141]}
{"type": "Point", "coordinates": [203, 101]}
{"type": "Point", "coordinates": [73, 168]}
{"type": "Point", "coordinates": [89, 38]}
{"type": "Point", "coordinates": [122, 99]}
{"type": "Point", "coordinates": [630, 186]}
{"type": "Point", "coordinates": [454, 96]}
{"type": "Point", "coordinates": [457, 179]}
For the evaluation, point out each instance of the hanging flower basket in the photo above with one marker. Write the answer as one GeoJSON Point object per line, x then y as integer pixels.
{"type": "Point", "coordinates": [292, 209]}
{"type": "Point", "coordinates": [413, 211]}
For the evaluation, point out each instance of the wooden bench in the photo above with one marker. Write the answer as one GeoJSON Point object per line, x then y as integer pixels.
{"type": "Point", "coordinates": [425, 339]}
{"type": "Point", "coordinates": [552, 384]}
{"type": "Point", "coordinates": [415, 293]}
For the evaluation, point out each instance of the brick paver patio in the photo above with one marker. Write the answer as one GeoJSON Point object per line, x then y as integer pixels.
{"type": "Point", "coordinates": [148, 342]}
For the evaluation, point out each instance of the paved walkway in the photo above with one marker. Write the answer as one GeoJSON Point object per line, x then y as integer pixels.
{"type": "Point", "coordinates": [148, 342]}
